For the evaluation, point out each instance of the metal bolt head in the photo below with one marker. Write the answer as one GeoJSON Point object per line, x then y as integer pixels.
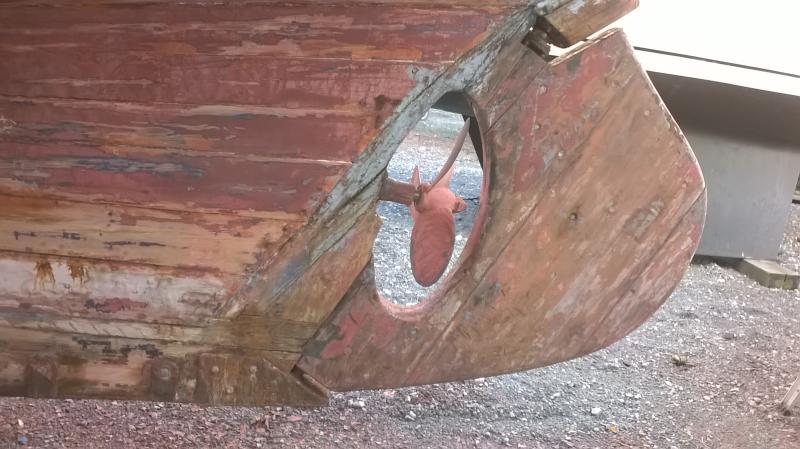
{"type": "Point", "coordinates": [229, 389]}
{"type": "Point", "coordinates": [215, 369]}
{"type": "Point", "coordinates": [163, 373]}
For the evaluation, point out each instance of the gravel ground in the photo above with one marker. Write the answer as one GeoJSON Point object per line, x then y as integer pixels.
{"type": "Point", "coordinates": [706, 371]}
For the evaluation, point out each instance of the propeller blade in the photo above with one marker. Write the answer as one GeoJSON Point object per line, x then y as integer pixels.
{"type": "Point", "coordinates": [433, 239]}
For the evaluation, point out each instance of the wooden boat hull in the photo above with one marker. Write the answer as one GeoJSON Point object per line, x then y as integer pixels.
{"type": "Point", "coordinates": [188, 194]}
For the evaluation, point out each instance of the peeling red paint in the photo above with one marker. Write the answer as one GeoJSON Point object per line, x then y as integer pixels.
{"type": "Point", "coordinates": [580, 218]}
{"type": "Point", "coordinates": [177, 172]}
{"type": "Point", "coordinates": [115, 305]}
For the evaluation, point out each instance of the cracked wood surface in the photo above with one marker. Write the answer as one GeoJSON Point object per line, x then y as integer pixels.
{"type": "Point", "coordinates": [577, 20]}
{"type": "Point", "coordinates": [188, 193]}
{"type": "Point", "coordinates": [596, 205]}
{"type": "Point", "coordinates": [155, 157]}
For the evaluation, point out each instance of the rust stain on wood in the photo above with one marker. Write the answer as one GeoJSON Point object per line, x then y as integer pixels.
{"type": "Point", "coordinates": [44, 275]}
{"type": "Point", "coordinates": [78, 272]}
{"type": "Point", "coordinates": [171, 295]}
{"type": "Point", "coordinates": [187, 211]}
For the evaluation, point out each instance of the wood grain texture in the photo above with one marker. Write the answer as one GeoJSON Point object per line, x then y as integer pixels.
{"type": "Point", "coordinates": [129, 368]}
{"type": "Point", "coordinates": [547, 4]}
{"type": "Point", "coordinates": [578, 19]}
{"type": "Point", "coordinates": [333, 85]}
{"type": "Point", "coordinates": [209, 133]}
{"type": "Point", "coordinates": [188, 195]}
{"type": "Point", "coordinates": [74, 287]}
{"type": "Point", "coordinates": [206, 242]}
{"type": "Point", "coordinates": [362, 32]}
{"type": "Point", "coordinates": [176, 181]}
{"type": "Point", "coordinates": [229, 130]}
{"type": "Point", "coordinates": [595, 207]}
{"type": "Point", "coordinates": [165, 152]}
{"type": "Point", "coordinates": [295, 285]}
{"type": "Point", "coordinates": [250, 332]}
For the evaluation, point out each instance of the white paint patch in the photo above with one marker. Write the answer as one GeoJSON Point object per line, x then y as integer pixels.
{"type": "Point", "coordinates": [576, 6]}
{"type": "Point", "coordinates": [165, 296]}
{"type": "Point", "coordinates": [6, 124]}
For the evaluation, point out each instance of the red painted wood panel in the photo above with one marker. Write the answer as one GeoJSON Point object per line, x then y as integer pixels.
{"type": "Point", "coordinates": [133, 97]}
{"type": "Point", "coordinates": [336, 84]}
{"type": "Point", "coordinates": [421, 4]}
{"type": "Point", "coordinates": [229, 130]}
{"type": "Point", "coordinates": [369, 32]}
{"type": "Point", "coordinates": [166, 180]}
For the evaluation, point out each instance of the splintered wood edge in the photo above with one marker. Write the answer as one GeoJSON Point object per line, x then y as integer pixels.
{"type": "Point", "coordinates": [578, 19]}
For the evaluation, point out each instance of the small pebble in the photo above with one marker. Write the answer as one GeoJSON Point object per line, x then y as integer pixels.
{"type": "Point", "coordinates": [356, 403]}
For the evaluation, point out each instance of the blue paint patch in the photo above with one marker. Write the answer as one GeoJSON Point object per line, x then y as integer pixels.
{"type": "Point", "coordinates": [122, 165]}
{"type": "Point", "coordinates": [296, 267]}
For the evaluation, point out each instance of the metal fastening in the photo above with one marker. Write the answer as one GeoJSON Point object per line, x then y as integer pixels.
{"type": "Point", "coordinates": [42, 377]}
{"type": "Point", "coordinates": [164, 379]}
{"type": "Point", "coordinates": [164, 373]}
{"type": "Point", "coordinates": [537, 41]}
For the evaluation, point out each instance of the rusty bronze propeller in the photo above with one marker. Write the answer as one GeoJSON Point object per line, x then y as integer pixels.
{"type": "Point", "coordinates": [432, 206]}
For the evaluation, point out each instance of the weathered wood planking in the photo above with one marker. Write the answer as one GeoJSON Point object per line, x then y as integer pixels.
{"type": "Point", "coordinates": [331, 84]}
{"type": "Point", "coordinates": [166, 180]}
{"type": "Point", "coordinates": [544, 5]}
{"type": "Point", "coordinates": [503, 85]}
{"type": "Point", "coordinates": [207, 242]}
{"type": "Point", "coordinates": [589, 193]}
{"type": "Point", "coordinates": [247, 113]}
{"type": "Point", "coordinates": [231, 130]}
{"type": "Point", "coordinates": [196, 135]}
{"type": "Point", "coordinates": [283, 190]}
{"type": "Point", "coordinates": [128, 368]}
{"type": "Point", "coordinates": [125, 350]}
{"type": "Point", "coordinates": [229, 133]}
{"type": "Point", "coordinates": [360, 186]}
{"type": "Point", "coordinates": [248, 332]}
{"type": "Point", "coordinates": [312, 297]}
{"type": "Point", "coordinates": [88, 288]}
{"type": "Point", "coordinates": [577, 20]}
{"type": "Point", "coordinates": [291, 287]}
{"type": "Point", "coordinates": [361, 32]}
